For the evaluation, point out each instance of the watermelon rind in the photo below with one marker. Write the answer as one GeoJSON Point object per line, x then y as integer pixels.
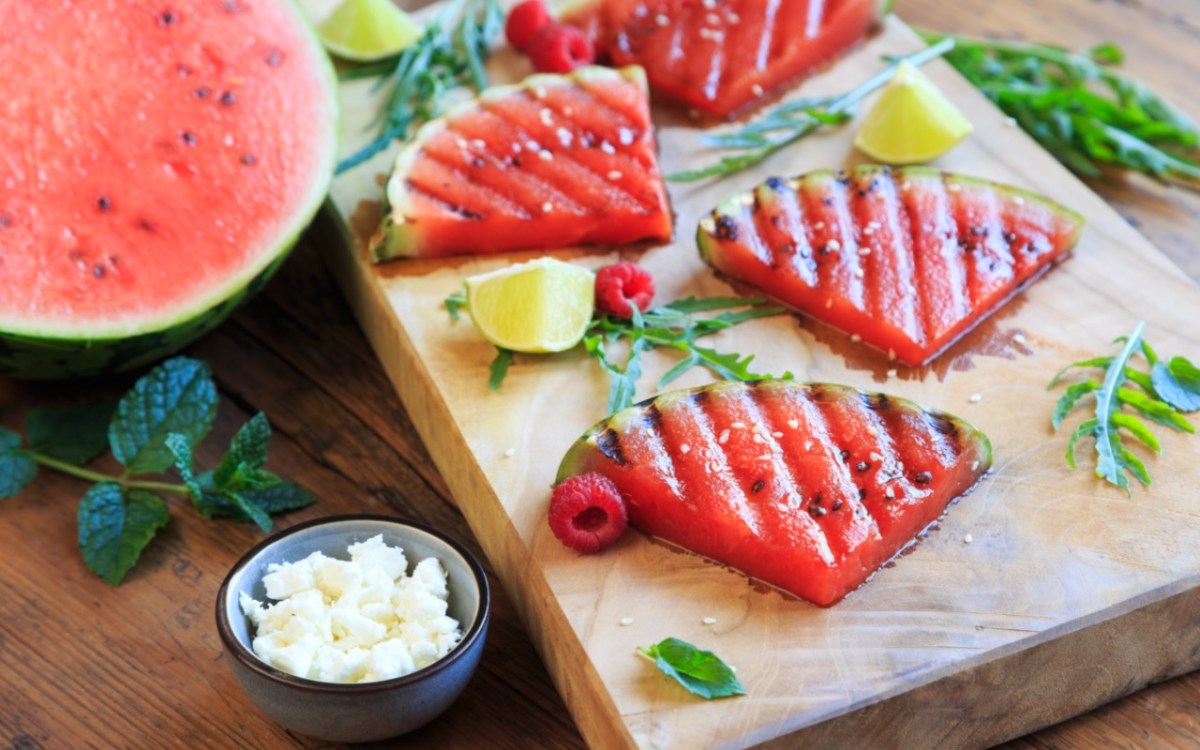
{"type": "Point", "coordinates": [40, 350]}
{"type": "Point", "coordinates": [397, 237]}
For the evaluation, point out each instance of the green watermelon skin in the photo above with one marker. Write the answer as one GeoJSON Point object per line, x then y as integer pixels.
{"type": "Point", "coordinates": [199, 152]}
{"type": "Point", "coordinates": [907, 259]}
{"type": "Point", "coordinates": [808, 487]}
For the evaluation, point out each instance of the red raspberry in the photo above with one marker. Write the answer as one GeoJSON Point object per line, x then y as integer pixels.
{"type": "Point", "coordinates": [587, 512]}
{"type": "Point", "coordinates": [524, 21]}
{"type": "Point", "coordinates": [622, 285]}
{"type": "Point", "coordinates": [558, 48]}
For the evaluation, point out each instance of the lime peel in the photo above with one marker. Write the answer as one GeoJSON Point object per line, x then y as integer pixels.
{"type": "Point", "coordinates": [543, 305]}
{"type": "Point", "coordinates": [911, 122]}
{"type": "Point", "coordinates": [368, 30]}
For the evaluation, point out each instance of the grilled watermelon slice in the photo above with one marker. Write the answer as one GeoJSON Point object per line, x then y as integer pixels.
{"type": "Point", "coordinates": [160, 159]}
{"type": "Point", "coordinates": [554, 161]}
{"type": "Point", "coordinates": [721, 57]}
{"type": "Point", "coordinates": [809, 487]}
{"type": "Point", "coordinates": [908, 259]}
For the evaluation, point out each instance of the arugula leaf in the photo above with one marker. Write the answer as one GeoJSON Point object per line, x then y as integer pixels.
{"type": "Point", "coordinates": [1177, 383]}
{"type": "Point", "coordinates": [454, 304]}
{"type": "Point", "coordinates": [177, 396]}
{"type": "Point", "coordinates": [701, 672]}
{"type": "Point", "coordinates": [499, 368]}
{"type": "Point", "coordinates": [1113, 459]}
{"type": "Point", "coordinates": [17, 468]}
{"type": "Point", "coordinates": [790, 121]}
{"type": "Point", "coordinates": [76, 434]}
{"type": "Point", "coordinates": [115, 525]}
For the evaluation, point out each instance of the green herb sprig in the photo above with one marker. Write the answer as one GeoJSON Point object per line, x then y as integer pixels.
{"type": "Point", "coordinates": [789, 122]}
{"type": "Point", "coordinates": [450, 54]}
{"type": "Point", "coordinates": [701, 672]}
{"type": "Point", "coordinates": [1161, 395]}
{"type": "Point", "coordinates": [675, 326]}
{"type": "Point", "coordinates": [1079, 108]}
{"type": "Point", "coordinates": [153, 427]}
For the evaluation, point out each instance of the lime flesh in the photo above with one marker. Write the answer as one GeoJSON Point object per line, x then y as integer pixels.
{"type": "Point", "coordinates": [911, 122]}
{"type": "Point", "coordinates": [366, 30]}
{"type": "Point", "coordinates": [544, 305]}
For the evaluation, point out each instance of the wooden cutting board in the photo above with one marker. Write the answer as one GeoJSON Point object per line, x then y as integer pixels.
{"type": "Point", "coordinates": [1040, 595]}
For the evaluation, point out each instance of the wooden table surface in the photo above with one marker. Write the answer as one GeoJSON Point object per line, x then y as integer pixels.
{"type": "Point", "coordinates": [140, 666]}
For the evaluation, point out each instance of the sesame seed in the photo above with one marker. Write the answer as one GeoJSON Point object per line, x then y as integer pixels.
{"type": "Point", "coordinates": [975, 398]}
{"type": "Point", "coordinates": [733, 18]}
{"type": "Point", "coordinates": [723, 437]}
{"type": "Point", "coordinates": [712, 19]}
{"type": "Point", "coordinates": [856, 338]}
{"type": "Point", "coordinates": [892, 373]}
{"type": "Point", "coordinates": [547, 207]}
{"type": "Point", "coordinates": [874, 225]}
{"type": "Point", "coordinates": [510, 452]}
{"type": "Point", "coordinates": [626, 621]}
{"type": "Point", "coordinates": [1010, 122]}
{"type": "Point", "coordinates": [1018, 200]}
{"type": "Point", "coordinates": [614, 175]}
{"type": "Point", "coordinates": [975, 466]}
{"type": "Point", "coordinates": [819, 225]}
{"type": "Point", "coordinates": [461, 142]}
{"type": "Point", "coordinates": [793, 424]}
{"type": "Point", "coordinates": [738, 425]}
{"type": "Point", "coordinates": [757, 90]}
{"type": "Point", "coordinates": [540, 92]}
{"type": "Point", "coordinates": [662, 20]}
{"type": "Point", "coordinates": [710, 4]}
{"type": "Point", "coordinates": [954, 187]}
{"type": "Point", "coordinates": [967, 539]}
{"type": "Point", "coordinates": [709, 621]}
{"type": "Point", "coordinates": [607, 148]}
{"type": "Point", "coordinates": [808, 445]}
{"type": "Point", "coordinates": [479, 143]}
{"type": "Point", "coordinates": [757, 438]}
{"type": "Point", "coordinates": [873, 431]}
{"type": "Point", "coordinates": [545, 116]}
{"type": "Point", "coordinates": [1019, 338]}
{"type": "Point", "coordinates": [874, 456]}
{"type": "Point", "coordinates": [912, 289]}
{"type": "Point", "coordinates": [890, 493]}
{"type": "Point", "coordinates": [864, 251]}
{"type": "Point", "coordinates": [858, 272]}
{"type": "Point", "coordinates": [533, 145]}
{"type": "Point", "coordinates": [777, 434]}
{"type": "Point", "coordinates": [834, 245]}
{"type": "Point", "coordinates": [545, 155]}
{"type": "Point", "coordinates": [685, 448]}
{"type": "Point", "coordinates": [868, 230]}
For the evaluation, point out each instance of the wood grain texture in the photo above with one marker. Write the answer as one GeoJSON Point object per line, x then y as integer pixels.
{"type": "Point", "coordinates": [84, 665]}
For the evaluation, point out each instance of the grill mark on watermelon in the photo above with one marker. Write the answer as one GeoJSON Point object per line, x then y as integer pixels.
{"type": "Point", "coordinates": [837, 251]}
{"type": "Point", "coordinates": [989, 269]}
{"type": "Point", "coordinates": [885, 255]}
{"type": "Point", "coordinates": [778, 220]}
{"type": "Point", "coordinates": [446, 186]}
{"type": "Point", "coordinates": [609, 444]}
{"type": "Point", "coordinates": [940, 274]}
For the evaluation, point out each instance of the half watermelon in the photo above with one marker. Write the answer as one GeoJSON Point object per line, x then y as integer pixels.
{"type": "Point", "coordinates": [160, 160]}
{"type": "Point", "coordinates": [722, 57]}
{"type": "Point", "coordinates": [907, 259]}
{"type": "Point", "coordinates": [554, 161]}
{"type": "Point", "coordinates": [809, 487]}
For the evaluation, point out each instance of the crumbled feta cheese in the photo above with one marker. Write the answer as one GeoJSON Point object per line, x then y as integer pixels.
{"type": "Point", "coordinates": [357, 620]}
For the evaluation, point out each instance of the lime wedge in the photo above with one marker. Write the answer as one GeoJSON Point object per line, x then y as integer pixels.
{"type": "Point", "coordinates": [911, 122]}
{"type": "Point", "coordinates": [366, 30]}
{"type": "Point", "coordinates": [544, 305]}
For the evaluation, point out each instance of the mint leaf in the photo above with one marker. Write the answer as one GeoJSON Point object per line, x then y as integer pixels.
{"type": "Point", "coordinates": [177, 396]}
{"type": "Point", "coordinates": [279, 497]}
{"type": "Point", "coordinates": [181, 449]}
{"type": "Point", "coordinates": [701, 672]}
{"type": "Point", "coordinates": [248, 448]}
{"type": "Point", "coordinates": [17, 468]}
{"type": "Point", "coordinates": [1177, 383]}
{"type": "Point", "coordinates": [76, 435]}
{"type": "Point", "coordinates": [115, 526]}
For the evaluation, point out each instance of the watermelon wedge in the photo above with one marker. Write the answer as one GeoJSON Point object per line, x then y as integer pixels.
{"type": "Point", "coordinates": [721, 57]}
{"type": "Point", "coordinates": [907, 259]}
{"type": "Point", "coordinates": [554, 161]}
{"type": "Point", "coordinates": [808, 487]}
{"type": "Point", "coordinates": [159, 160]}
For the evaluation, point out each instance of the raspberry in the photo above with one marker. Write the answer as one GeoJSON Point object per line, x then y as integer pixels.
{"type": "Point", "coordinates": [587, 512]}
{"type": "Point", "coordinates": [524, 21]}
{"type": "Point", "coordinates": [622, 285]}
{"type": "Point", "coordinates": [558, 48]}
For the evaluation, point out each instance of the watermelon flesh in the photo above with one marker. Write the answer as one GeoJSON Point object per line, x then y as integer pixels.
{"type": "Point", "coordinates": [161, 159]}
{"type": "Point", "coordinates": [721, 57]}
{"type": "Point", "coordinates": [808, 487]}
{"type": "Point", "coordinates": [907, 259]}
{"type": "Point", "coordinates": [555, 161]}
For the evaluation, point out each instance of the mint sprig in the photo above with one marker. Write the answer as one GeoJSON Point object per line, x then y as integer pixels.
{"type": "Point", "coordinates": [1122, 400]}
{"type": "Point", "coordinates": [701, 672]}
{"type": "Point", "coordinates": [155, 426]}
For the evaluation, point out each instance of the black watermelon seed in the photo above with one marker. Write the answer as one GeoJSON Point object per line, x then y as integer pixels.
{"type": "Point", "coordinates": [979, 231]}
{"type": "Point", "coordinates": [102, 203]}
{"type": "Point", "coordinates": [862, 466]}
{"type": "Point", "coordinates": [923, 477]}
{"type": "Point", "coordinates": [227, 98]}
{"type": "Point", "coordinates": [862, 493]}
{"type": "Point", "coordinates": [6, 221]}
{"type": "Point", "coordinates": [1010, 237]}
{"type": "Point", "coordinates": [248, 160]}
{"type": "Point", "coordinates": [183, 70]}
{"type": "Point", "coordinates": [188, 138]}
{"type": "Point", "coordinates": [837, 504]}
{"type": "Point", "coordinates": [98, 271]}
{"type": "Point", "coordinates": [274, 58]}
{"type": "Point", "coordinates": [777, 184]}
{"type": "Point", "coordinates": [167, 18]}
{"type": "Point", "coordinates": [816, 510]}
{"type": "Point", "coordinates": [145, 225]}
{"type": "Point", "coordinates": [516, 162]}
{"type": "Point", "coordinates": [477, 162]}
{"type": "Point", "coordinates": [757, 486]}
{"type": "Point", "coordinates": [202, 92]}
{"type": "Point", "coordinates": [844, 454]}
{"type": "Point", "coordinates": [727, 228]}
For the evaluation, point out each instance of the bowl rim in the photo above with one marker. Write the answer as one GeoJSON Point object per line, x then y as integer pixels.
{"type": "Point", "coordinates": [251, 660]}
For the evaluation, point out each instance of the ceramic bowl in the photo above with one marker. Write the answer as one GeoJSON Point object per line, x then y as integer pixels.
{"type": "Point", "coordinates": [358, 712]}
